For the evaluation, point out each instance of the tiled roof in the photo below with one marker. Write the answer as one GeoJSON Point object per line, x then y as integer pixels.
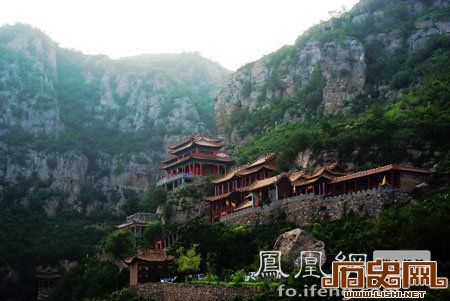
{"type": "Point", "coordinates": [124, 225]}
{"type": "Point", "coordinates": [262, 160]}
{"type": "Point", "coordinates": [331, 168]}
{"type": "Point", "coordinates": [247, 171]}
{"type": "Point", "coordinates": [218, 197]}
{"type": "Point", "coordinates": [47, 273]}
{"type": "Point", "coordinates": [380, 170]}
{"type": "Point", "coordinates": [266, 182]}
{"type": "Point", "coordinates": [199, 140]}
{"type": "Point", "coordinates": [302, 182]}
{"type": "Point", "coordinates": [149, 256]}
{"type": "Point", "coordinates": [296, 175]}
{"type": "Point", "coordinates": [329, 171]}
{"type": "Point", "coordinates": [241, 170]}
{"type": "Point", "coordinates": [198, 136]}
{"type": "Point", "coordinates": [228, 176]}
{"type": "Point", "coordinates": [244, 205]}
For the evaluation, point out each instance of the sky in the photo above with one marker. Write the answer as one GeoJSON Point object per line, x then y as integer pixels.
{"type": "Point", "coordinates": [230, 32]}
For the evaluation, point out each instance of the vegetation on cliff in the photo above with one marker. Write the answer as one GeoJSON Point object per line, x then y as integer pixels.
{"type": "Point", "coordinates": [376, 132]}
{"type": "Point", "coordinates": [368, 87]}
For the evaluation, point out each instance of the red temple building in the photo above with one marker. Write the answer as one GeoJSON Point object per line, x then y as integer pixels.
{"type": "Point", "coordinates": [332, 179]}
{"type": "Point", "coordinates": [251, 186]}
{"type": "Point", "coordinates": [149, 266]}
{"type": "Point", "coordinates": [404, 178]}
{"type": "Point", "coordinates": [317, 182]}
{"type": "Point", "coordinates": [238, 186]}
{"type": "Point", "coordinates": [195, 157]}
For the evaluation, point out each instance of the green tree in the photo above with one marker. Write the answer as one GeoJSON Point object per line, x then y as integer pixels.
{"type": "Point", "coordinates": [91, 278]}
{"type": "Point", "coordinates": [238, 276]}
{"type": "Point", "coordinates": [130, 206]}
{"type": "Point", "coordinates": [188, 260]}
{"type": "Point", "coordinates": [153, 231]}
{"type": "Point", "coordinates": [154, 197]}
{"type": "Point", "coordinates": [120, 243]}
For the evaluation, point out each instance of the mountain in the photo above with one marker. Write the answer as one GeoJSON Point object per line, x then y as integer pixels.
{"type": "Point", "coordinates": [367, 87]}
{"type": "Point", "coordinates": [87, 132]}
{"type": "Point", "coordinates": [82, 134]}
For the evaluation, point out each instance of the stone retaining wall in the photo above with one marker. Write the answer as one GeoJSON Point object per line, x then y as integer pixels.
{"type": "Point", "coordinates": [190, 292]}
{"type": "Point", "coordinates": [304, 210]}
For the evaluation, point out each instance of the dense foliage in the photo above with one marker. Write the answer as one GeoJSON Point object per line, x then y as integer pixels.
{"type": "Point", "coordinates": [90, 279]}
{"type": "Point", "coordinates": [226, 249]}
{"type": "Point", "coordinates": [153, 232]}
{"type": "Point", "coordinates": [188, 260]}
{"type": "Point", "coordinates": [30, 238]}
{"type": "Point", "coordinates": [120, 243]}
{"type": "Point", "coordinates": [152, 198]}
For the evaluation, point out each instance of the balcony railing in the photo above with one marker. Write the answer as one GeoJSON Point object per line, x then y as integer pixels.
{"type": "Point", "coordinates": [185, 175]}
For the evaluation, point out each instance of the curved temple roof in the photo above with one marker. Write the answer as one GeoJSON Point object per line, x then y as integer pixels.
{"type": "Point", "coordinates": [149, 256]}
{"type": "Point", "coordinates": [379, 170]}
{"type": "Point", "coordinates": [249, 168]}
{"type": "Point", "coordinates": [199, 140]}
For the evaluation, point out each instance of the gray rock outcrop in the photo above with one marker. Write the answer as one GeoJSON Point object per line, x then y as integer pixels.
{"type": "Point", "coordinates": [293, 242]}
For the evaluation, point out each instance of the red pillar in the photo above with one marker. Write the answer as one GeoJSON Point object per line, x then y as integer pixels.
{"type": "Point", "coordinates": [201, 169]}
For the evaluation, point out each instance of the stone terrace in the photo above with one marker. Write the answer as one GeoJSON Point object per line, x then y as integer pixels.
{"type": "Point", "coordinates": [304, 210]}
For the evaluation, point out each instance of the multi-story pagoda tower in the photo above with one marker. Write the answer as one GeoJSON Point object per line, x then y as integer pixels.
{"type": "Point", "coordinates": [192, 158]}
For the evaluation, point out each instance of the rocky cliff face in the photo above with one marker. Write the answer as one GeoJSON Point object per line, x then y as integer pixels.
{"type": "Point", "coordinates": [185, 203]}
{"type": "Point", "coordinates": [344, 51]}
{"type": "Point", "coordinates": [86, 131]}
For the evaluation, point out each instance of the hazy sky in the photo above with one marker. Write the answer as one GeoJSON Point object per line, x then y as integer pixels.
{"type": "Point", "coordinates": [231, 32]}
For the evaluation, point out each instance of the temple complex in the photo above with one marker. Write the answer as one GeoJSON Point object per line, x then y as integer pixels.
{"type": "Point", "coordinates": [192, 158]}
{"type": "Point", "coordinates": [251, 186]}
